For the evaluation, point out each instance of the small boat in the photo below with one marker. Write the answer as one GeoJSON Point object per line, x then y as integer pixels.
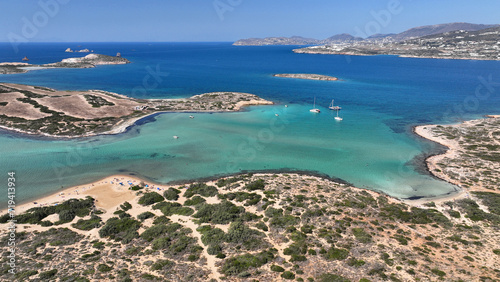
{"type": "Point", "coordinates": [176, 137]}
{"type": "Point", "coordinates": [26, 58]}
{"type": "Point", "coordinates": [191, 116]}
{"type": "Point", "coordinates": [337, 117]}
{"type": "Point", "coordinates": [314, 109]}
{"type": "Point", "coordinates": [277, 115]}
{"type": "Point", "coordinates": [332, 107]}
{"type": "Point", "coordinates": [286, 106]}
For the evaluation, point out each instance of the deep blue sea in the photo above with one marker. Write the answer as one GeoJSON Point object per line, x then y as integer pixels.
{"type": "Point", "coordinates": [373, 147]}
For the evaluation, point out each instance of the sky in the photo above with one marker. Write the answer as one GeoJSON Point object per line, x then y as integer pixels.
{"type": "Point", "coordinates": [225, 20]}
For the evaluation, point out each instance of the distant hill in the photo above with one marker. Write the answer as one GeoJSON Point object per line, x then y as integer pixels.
{"type": "Point", "coordinates": [347, 38]}
{"type": "Point", "coordinates": [458, 44]}
{"type": "Point", "coordinates": [341, 38]}
{"type": "Point", "coordinates": [436, 29]}
{"type": "Point", "coordinates": [294, 40]}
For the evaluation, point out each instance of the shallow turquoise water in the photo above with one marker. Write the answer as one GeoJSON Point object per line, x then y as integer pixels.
{"type": "Point", "coordinates": [382, 97]}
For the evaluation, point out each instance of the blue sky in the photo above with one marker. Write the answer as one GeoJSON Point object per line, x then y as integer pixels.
{"type": "Point", "coordinates": [225, 20]}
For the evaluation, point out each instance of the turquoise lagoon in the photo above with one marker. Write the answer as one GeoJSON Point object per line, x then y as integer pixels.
{"type": "Point", "coordinates": [373, 147]}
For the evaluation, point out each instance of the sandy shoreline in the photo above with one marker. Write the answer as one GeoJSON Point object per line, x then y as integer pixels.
{"type": "Point", "coordinates": [113, 190]}
{"type": "Point", "coordinates": [108, 192]}
{"type": "Point", "coordinates": [426, 131]}
{"type": "Point", "coordinates": [124, 125]}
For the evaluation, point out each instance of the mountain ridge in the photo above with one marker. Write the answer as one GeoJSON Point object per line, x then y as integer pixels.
{"type": "Point", "coordinates": [414, 32]}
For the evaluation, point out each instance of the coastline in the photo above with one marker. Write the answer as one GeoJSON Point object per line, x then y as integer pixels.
{"type": "Point", "coordinates": [452, 152]}
{"type": "Point", "coordinates": [123, 126]}
{"type": "Point", "coordinates": [124, 121]}
{"type": "Point", "coordinates": [299, 51]}
{"type": "Point", "coordinates": [110, 193]}
{"type": "Point", "coordinates": [101, 189]}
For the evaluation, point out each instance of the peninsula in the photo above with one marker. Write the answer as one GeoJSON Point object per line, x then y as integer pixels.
{"type": "Point", "coordinates": [473, 158]}
{"type": "Point", "coordinates": [306, 76]}
{"type": "Point", "coordinates": [89, 61]}
{"type": "Point", "coordinates": [45, 111]}
{"type": "Point", "coordinates": [459, 44]}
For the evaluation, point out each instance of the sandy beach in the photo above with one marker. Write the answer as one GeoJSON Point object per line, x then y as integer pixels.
{"type": "Point", "coordinates": [108, 192]}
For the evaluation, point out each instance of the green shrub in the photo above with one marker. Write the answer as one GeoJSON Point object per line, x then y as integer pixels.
{"type": "Point", "coordinates": [201, 189]}
{"type": "Point", "coordinates": [295, 258]}
{"type": "Point", "coordinates": [169, 208]}
{"type": "Point", "coordinates": [196, 200]}
{"type": "Point", "coordinates": [356, 263]}
{"type": "Point", "coordinates": [48, 274]}
{"type": "Point", "coordinates": [211, 236]}
{"type": "Point", "coordinates": [227, 181]}
{"type": "Point", "coordinates": [214, 250]}
{"type": "Point", "coordinates": [162, 265]}
{"type": "Point", "coordinates": [336, 254]}
{"type": "Point", "coordinates": [145, 215]}
{"type": "Point", "coordinates": [256, 185]}
{"type": "Point", "coordinates": [136, 188]}
{"type": "Point", "coordinates": [329, 277]}
{"type": "Point", "coordinates": [161, 220]}
{"type": "Point", "coordinates": [453, 213]}
{"type": "Point", "coordinates": [124, 229]}
{"type": "Point", "coordinates": [262, 226]}
{"type": "Point", "coordinates": [277, 268]}
{"type": "Point", "coordinates": [93, 222]}
{"type": "Point", "coordinates": [104, 267]}
{"type": "Point", "coordinates": [126, 206]}
{"type": "Point", "coordinates": [438, 272]}
{"type": "Point", "coordinates": [222, 213]}
{"type": "Point", "coordinates": [67, 211]}
{"type": "Point", "coordinates": [171, 194]}
{"type": "Point", "coordinates": [25, 274]}
{"type": "Point", "coordinates": [288, 275]}
{"type": "Point", "coordinates": [235, 265]}
{"type": "Point", "coordinates": [66, 215]}
{"type": "Point", "coordinates": [159, 230]}
{"type": "Point", "coordinates": [361, 235]}
{"type": "Point", "coordinates": [150, 198]}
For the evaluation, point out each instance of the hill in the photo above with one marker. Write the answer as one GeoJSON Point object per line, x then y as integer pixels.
{"type": "Point", "coordinates": [348, 38]}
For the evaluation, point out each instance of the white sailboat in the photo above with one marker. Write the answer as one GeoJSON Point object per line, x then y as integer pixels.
{"type": "Point", "coordinates": [337, 117]}
{"type": "Point", "coordinates": [332, 107]}
{"type": "Point", "coordinates": [314, 109]}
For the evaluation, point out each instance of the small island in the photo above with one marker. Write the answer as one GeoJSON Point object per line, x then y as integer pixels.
{"type": "Point", "coordinates": [306, 76]}
{"type": "Point", "coordinates": [89, 61]}
{"type": "Point", "coordinates": [45, 111]}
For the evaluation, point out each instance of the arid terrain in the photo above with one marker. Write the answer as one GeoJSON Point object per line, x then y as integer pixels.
{"type": "Point", "coordinates": [265, 227]}
{"type": "Point", "coordinates": [45, 111]}
{"type": "Point", "coordinates": [473, 161]}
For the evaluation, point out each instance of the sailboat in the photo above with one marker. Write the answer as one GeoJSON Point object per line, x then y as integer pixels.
{"type": "Point", "coordinates": [314, 109]}
{"type": "Point", "coordinates": [332, 107]}
{"type": "Point", "coordinates": [337, 117]}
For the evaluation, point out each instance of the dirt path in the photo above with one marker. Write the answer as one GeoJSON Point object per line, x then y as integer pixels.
{"type": "Point", "coordinates": [211, 260]}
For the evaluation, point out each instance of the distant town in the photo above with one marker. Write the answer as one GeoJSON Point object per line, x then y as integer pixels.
{"type": "Point", "coordinates": [450, 41]}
